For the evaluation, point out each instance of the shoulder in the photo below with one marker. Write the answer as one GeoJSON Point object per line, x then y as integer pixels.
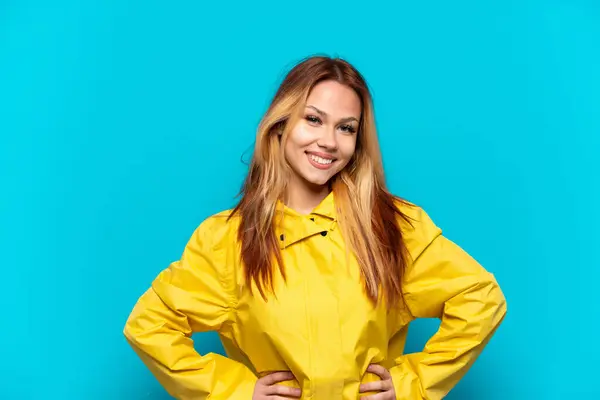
{"type": "Point", "coordinates": [213, 249]}
{"type": "Point", "coordinates": [204, 268]}
{"type": "Point", "coordinates": [218, 230]}
{"type": "Point", "coordinates": [418, 229]}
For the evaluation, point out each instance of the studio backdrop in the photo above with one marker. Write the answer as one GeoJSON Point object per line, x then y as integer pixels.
{"type": "Point", "coordinates": [125, 123]}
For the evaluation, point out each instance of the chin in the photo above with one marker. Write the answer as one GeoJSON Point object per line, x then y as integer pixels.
{"type": "Point", "coordinates": [318, 183]}
{"type": "Point", "coordinates": [317, 180]}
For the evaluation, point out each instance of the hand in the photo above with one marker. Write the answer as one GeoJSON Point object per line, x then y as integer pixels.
{"type": "Point", "coordinates": [385, 386]}
{"type": "Point", "coordinates": [266, 388]}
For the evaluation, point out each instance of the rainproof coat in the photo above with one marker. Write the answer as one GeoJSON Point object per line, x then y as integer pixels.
{"type": "Point", "coordinates": [320, 325]}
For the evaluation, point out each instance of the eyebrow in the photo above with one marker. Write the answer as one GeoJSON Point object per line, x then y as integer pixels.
{"type": "Point", "coordinates": [324, 114]}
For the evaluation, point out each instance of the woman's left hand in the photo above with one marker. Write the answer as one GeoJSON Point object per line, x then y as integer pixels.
{"type": "Point", "coordinates": [385, 386]}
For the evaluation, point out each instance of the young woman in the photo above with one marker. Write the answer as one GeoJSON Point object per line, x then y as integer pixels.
{"type": "Point", "coordinates": [311, 281]}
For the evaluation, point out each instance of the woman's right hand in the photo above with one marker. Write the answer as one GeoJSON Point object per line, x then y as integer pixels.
{"type": "Point", "coordinates": [267, 389]}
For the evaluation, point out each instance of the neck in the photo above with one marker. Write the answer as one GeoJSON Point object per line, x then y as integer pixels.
{"type": "Point", "coordinates": [303, 197]}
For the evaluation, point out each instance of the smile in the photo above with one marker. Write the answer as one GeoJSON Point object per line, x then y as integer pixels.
{"type": "Point", "coordinates": [320, 162]}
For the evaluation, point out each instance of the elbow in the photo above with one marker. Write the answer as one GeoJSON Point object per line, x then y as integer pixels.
{"type": "Point", "coordinates": [497, 305]}
{"type": "Point", "coordinates": [130, 333]}
{"type": "Point", "coordinates": [141, 320]}
{"type": "Point", "coordinates": [501, 308]}
{"type": "Point", "coordinates": [137, 325]}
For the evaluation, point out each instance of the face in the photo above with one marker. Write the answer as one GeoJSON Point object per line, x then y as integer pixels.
{"type": "Point", "coordinates": [324, 140]}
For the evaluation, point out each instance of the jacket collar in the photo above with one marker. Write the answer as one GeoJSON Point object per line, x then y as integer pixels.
{"type": "Point", "coordinates": [292, 227]}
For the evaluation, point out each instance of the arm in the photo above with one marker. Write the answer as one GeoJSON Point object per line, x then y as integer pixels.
{"type": "Point", "coordinates": [191, 295]}
{"type": "Point", "coordinates": [445, 282]}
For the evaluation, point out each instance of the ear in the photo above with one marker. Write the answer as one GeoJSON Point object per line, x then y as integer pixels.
{"type": "Point", "coordinates": [278, 128]}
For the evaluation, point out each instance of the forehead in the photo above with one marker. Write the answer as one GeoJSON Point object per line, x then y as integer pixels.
{"type": "Point", "coordinates": [335, 99]}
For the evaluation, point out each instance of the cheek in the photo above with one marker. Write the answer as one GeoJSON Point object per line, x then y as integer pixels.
{"type": "Point", "coordinates": [301, 136]}
{"type": "Point", "coordinates": [347, 148]}
{"type": "Point", "coordinates": [297, 141]}
{"type": "Point", "coordinates": [293, 143]}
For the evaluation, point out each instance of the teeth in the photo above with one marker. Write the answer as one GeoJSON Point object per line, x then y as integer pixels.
{"type": "Point", "coordinates": [320, 160]}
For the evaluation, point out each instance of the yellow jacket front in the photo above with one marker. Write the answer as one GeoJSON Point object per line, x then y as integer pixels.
{"type": "Point", "coordinates": [319, 324]}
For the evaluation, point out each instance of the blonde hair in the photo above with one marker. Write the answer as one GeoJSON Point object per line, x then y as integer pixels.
{"type": "Point", "coordinates": [368, 215]}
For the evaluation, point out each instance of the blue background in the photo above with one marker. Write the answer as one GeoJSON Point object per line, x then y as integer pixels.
{"type": "Point", "coordinates": [123, 124]}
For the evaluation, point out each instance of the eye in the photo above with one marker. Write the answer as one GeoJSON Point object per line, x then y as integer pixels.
{"type": "Point", "coordinates": [348, 128]}
{"type": "Point", "coordinates": [313, 120]}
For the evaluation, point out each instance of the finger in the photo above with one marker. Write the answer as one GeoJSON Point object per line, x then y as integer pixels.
{"type": "Point", "coordinates": [276, 398]}
{"type": "Point", "coordinates": [276, 377]}
{"type": "Point", "coordinates": [377, 386]}
{"type": "Point", "coordinates": [283, 391]}
{"type": "Point", "coordinates": [380, 371]}
{"type": "Point", "coordinates": [380, 396]}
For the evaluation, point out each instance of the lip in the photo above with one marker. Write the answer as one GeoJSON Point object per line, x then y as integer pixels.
{"type": "Point", "coordinates": [322, 155]}
{"type": "Point", "coordinates": [326, 156]}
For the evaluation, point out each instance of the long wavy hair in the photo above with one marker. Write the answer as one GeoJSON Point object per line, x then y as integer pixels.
{"type": "Point", "coordinates": [368, 214]}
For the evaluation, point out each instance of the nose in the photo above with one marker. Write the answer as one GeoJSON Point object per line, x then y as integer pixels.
{"type": "Point", "coordinates": [328, 139]}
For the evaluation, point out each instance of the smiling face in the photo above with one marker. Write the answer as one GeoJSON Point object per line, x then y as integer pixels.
{"type": "Point", "coordinates": [322, 143]}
